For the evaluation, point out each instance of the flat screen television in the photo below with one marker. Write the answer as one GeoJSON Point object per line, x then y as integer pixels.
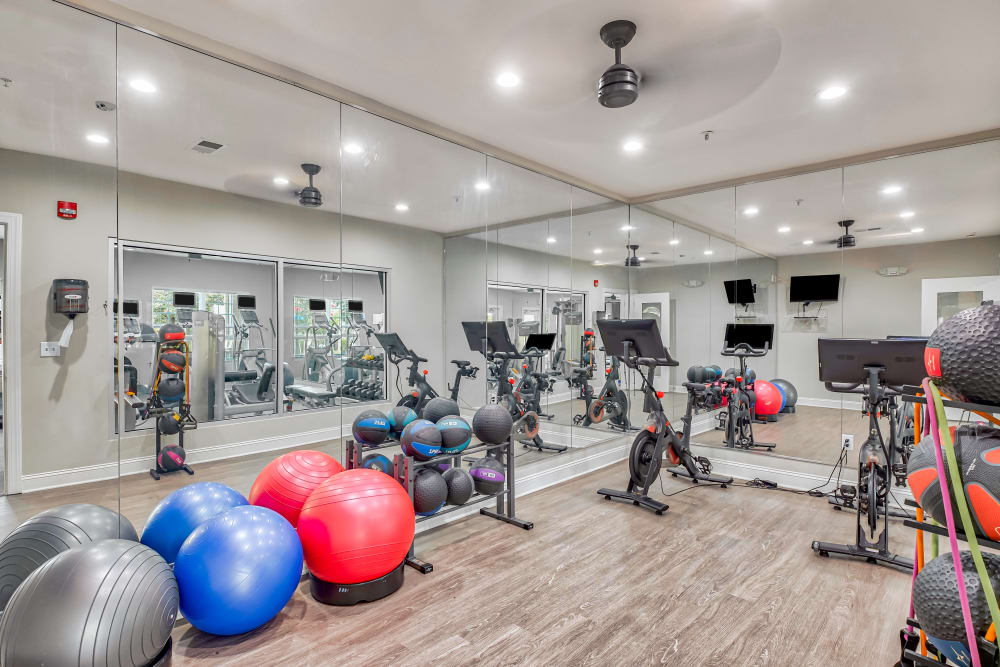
{"type": "Point", "coordinates": [246, 301]}
{"type": "Point", "coordinates": [824, 287]}
{"type": "Point", "coordinates": [184, 300]}
{"type": "Point", "coordinates": [740, 291]}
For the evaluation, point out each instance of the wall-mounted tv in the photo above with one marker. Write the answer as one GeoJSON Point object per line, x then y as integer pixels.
{"type": "Point", "coordinates": [740, 291]}
{"type": "Point", "coordinates": [824, 287]}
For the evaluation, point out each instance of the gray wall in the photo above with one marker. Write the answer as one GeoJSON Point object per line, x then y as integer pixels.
{"type": "Point", "coordinates": [65, 406]}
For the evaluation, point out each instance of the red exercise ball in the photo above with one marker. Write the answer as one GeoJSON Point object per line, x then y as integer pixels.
{"type": "Point", "coordinates": [768, 398]}
{"type": "Point", "coordinates": [285, 483]}
{"type": "Point", "coordinates": [356, 526]}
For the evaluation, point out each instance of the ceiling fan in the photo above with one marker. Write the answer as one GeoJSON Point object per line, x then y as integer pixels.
{"type": "Point", "coordinates": [619, 85]}
{"type": "Point", "coordinates": [847, 239]}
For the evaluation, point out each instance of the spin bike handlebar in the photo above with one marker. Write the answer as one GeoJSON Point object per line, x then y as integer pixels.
{"type": "Point", "coordinates": [860, 388]}
{"type": "Point", "coordinates": [743, 350]}
{"type": "Point", "coordinates": [649, 361]}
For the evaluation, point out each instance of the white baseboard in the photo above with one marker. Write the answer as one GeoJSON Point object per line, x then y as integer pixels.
{"type": "Point", "coordinates": [141, 464]}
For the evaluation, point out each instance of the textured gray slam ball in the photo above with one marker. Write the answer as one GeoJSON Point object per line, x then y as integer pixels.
{"type": "Point", "coordinates": [50, 533]}
{"type": "Point", "coordinates": [439, 407]}
{"type": "Point", "coordinates": [460, 486]}
{"type": "Point", "coordinates": [964, 352]}
{"type": "Point", "coordinates": [935, 596]}
{"type": "Point", "coordinates": [492, 424]}
{"type": "Point", "coordinates": [429, 491]}
{"type": "Point", "coordinates": [112, 602]}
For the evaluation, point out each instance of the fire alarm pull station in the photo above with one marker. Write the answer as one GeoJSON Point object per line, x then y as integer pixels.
{"type": "Point", "coordinates": [66, 210]}
{"type": "Point", "coordinates": [595, 283]}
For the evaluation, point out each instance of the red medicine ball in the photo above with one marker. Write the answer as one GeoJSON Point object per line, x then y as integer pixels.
{"type": "Point", "coordinates": [356, 526]}
{"type": "Point", "coordinates": [285, 483]}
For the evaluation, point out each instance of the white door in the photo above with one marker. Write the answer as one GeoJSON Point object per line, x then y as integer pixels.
{"type": "Point", "coordinates": [655, 306]}
{"type": "Point", "coordinates": [943, 297]}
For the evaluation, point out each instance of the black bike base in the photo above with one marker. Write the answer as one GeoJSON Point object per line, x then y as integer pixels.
{"type": "Point", "coordinates": [156, 472]}
{"type": "Point", "coordinates": [344, 595]}
{"type": "Point", "coordinates": [870, 555]}
{"type": "Point", "coordinates": [842, 504]}
{"type": "Point", "coordinates": [636, 499]}
{"type": "Point", "coordinates": [700, 477]}
{"type": "Point", "coordinates": [538, 444]}
{"type": "Point", "coordinates": [512, 520]}
{"type": "Point", "coordinates": [421, 566]}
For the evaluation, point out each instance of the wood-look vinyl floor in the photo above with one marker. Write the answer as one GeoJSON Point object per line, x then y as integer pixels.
{"type": "Point", "coordinates": [726, 576]}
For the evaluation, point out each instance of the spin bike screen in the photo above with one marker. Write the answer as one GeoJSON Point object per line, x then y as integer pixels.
{"type": "Point", "coordinates": [393, 345]}
{"type": "Point", "coordinates": [492, 335]}
{"type": "Point", "coordinates": [757, 336]}
{"type": "Point", "coordinates": [739, 291]}
{"type": "Point", "coordinates": [643, 338]}
{"type": "Point", "coordinates": [540, 341]}
{"type": "Point", "coordinates": [845, 360]}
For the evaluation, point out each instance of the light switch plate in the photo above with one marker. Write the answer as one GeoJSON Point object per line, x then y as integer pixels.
{"type": "Point", "coordinates": [50, 349]}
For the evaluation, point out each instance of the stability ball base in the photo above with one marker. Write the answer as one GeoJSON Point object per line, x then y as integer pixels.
{"type": "Point", "coordinates": [162, 658]}
{"type": "Point", "coordinates": [345, 595]}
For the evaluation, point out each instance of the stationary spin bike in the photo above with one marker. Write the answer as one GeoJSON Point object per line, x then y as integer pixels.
{"type": "Point", "coordinates": [609, 404]}
{"type": "Point", "coordinates": [878, 370]}
{"type": "Point", "coordinates": [638, 345]}
{"type": "Point", "coordinates": [421, 392]}
{"type": "Point", "coordinates": [742, 341]}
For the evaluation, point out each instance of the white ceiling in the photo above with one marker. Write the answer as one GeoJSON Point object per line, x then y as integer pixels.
{"type": "Point", "coordinates": [747, 69]}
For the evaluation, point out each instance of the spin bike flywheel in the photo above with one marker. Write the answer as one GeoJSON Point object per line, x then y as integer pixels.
{"type": "Point", "coordinates": [641, 458]}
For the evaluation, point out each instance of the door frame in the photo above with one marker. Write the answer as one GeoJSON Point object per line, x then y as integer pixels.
{"type": "Point", "coordinates": [12, 352]}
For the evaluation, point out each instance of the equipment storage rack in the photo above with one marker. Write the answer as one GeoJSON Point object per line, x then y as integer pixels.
{"type": "Point", "coordinates": [405, 469]}
{"type": "Point", "coordinates": [909, 636]}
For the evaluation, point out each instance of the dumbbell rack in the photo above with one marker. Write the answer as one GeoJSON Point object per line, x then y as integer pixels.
{"type": "Point", "coordinates": [405, 469]}
{"type": "Point", "coordinates": [909, 636]}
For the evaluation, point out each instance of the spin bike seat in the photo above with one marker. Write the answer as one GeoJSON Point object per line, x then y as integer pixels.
{"type": "Point", "coordinates": [460, 363]}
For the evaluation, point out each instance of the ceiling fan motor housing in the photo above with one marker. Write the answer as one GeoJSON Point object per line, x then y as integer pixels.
{"type": "Point", "coordinates": [310, 196]}
{"type": "Point", "coordinates": [619, 85]}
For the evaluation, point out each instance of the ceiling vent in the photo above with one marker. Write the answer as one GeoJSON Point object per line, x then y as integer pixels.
{"type": "Point", "coordinates": [206, 146]}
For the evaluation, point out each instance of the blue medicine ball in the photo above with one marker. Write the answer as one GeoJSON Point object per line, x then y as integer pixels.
{"type": "Point", "coordinates": [237, 570]}
{"type": "Point", "coordinates": [421, 440]}
{"type": "Point", "coordinates": [456, 434]}
{"type": "Point", "coordinates": [371, 427]}
{"type": "Point", "coordinates": [399, 418]}
{"type": "Point", "coordinates": [177, 515]}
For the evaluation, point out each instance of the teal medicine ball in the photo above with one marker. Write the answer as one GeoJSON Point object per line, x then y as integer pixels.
{"type": "Point", "coordinates": [456, 434]}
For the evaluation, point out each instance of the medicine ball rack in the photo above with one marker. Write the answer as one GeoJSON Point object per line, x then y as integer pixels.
{"type": "Point", "coordinates": [405, 469]}
{"type": "Point", "coordinates": [910, 635]}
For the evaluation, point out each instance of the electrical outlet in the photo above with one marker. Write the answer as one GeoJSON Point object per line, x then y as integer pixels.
{"type": "Point", "coordinates": [847, 441]}
{"type": "Point", "coordinates": [49, 349]}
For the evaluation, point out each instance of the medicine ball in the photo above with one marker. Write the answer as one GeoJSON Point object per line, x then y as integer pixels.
{"type": "Point", "coordinates": [170, 333]}
{"type": "Point", "coordinates": [421, 440]}
{"type": "Point", "coordinates": [438, 408]}
{"type": "Point", "coordinates": [170, 390]}
{"type": "Point", "coordinates": [430, 491]}
{"type": "Point", "coordinates": [376, 461]}
{"type": "Point", "coordinates": [460, 486]}
{"type": "Point", "coordinates": [791, 394]}
{"type": "Point", "coordinates": [964, 354]}
{"type": "Point", "coordinates": [171, 458]}
{"type": "Point", "coordinates": [456, 434]}
{"type": "Point", "coordinates": [371, 428]}
{"type": "Point", "coordinates": [169, 424]}
{"type": "Point", "coordinates": [399, 418]}
{"type": "Point", "coordinates": [935, 596]}
{"type": "Point", "coordinates": [492, 424]}
{"type": "Point", "coordinates": [696, 374]}
{"type": "Point", "coordinates": [172, 361]}
{"type": "Point", "coordinates": [716, 369]}
{"type": "Point", "coordinates": [977, 451]}
{"type": "Point", "coordinates": [750, 377]}
{"type": "Point", "coordinates": [487, 475]}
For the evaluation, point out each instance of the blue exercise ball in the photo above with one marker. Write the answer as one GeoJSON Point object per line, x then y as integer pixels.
{"type": "Point", "coordinates": [237, 570]}
{"type": "Point", "coordinates": [182, 511]}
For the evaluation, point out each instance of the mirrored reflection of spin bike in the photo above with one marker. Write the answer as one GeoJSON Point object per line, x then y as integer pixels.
{"type": "Point", "coordinates": [742, 341]}
{"type": "Point", "coordinates": [638, 345]}
{"type": "Point", "coordinates": [611, 402]}
{"type": "Point", "coordinates": [534, 382]}
{"type": "Point", "coordinates": [421, 392]}
{"type": "Point", "coordinates": [492, 340]}
{"type": "Point", "coordinates": [878, 370]}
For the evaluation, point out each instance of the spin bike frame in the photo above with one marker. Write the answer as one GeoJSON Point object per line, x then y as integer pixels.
{"type": "Point", "coordinates": [514, 403]}
{"type": "Point", "coordinates": [874, 474]}
{"type": "Point", "coordinates": [739, 411]}
{"type": "Point", "coordinates": [667, 440]}
{"type": "Point", "coordinates": [608, 392]}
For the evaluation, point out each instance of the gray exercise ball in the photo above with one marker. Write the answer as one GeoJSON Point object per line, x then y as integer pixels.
{"type": "Point", "coordinates": [50, 533]}
{"type": "Point", "coordinates": [112, 602]}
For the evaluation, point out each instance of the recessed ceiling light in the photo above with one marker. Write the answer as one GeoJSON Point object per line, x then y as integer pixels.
{"type": "Point", "coordinates": [508, 80]}
{"type": "Point", "coordinates": [832, 93]}
{"type": "Point", "coordinates": [632, 145]}
{"type": "Point", "coordinates": [674, 241]}
{"type": "Point", "coordinates": [892, 189]}
{"type": "Point", "coordinates": [97, 139]}
{"type": "Point", "coordinates": [551, 239]}
{"type": "Point", "coordinates": [597, 251]}
{"type": "Point", "coordinates": [907, 214]}
{"type": "Point", "coordinates": [751, 211]}
{"type": "Point", "coordinates": [280, 180]}
{"type": "Point", "coordinates": [807, 242]}
{"type": "Point", "coordinates": [142, 86]}
{"type": "Point", "coordinates": [352, 148]}
{"type": "Point", "coordinates": [916, 230]}
{"type": "Point", "coordinates": [402, 207]}
{"type": "Point", "coordinates": [627, 228]}
{"type": "Point", "coordinates": [784, 230]}
{"type": "Point", "coordinates": [482, 186]}
{"type": "Point", "coordinates": [708, 252]}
